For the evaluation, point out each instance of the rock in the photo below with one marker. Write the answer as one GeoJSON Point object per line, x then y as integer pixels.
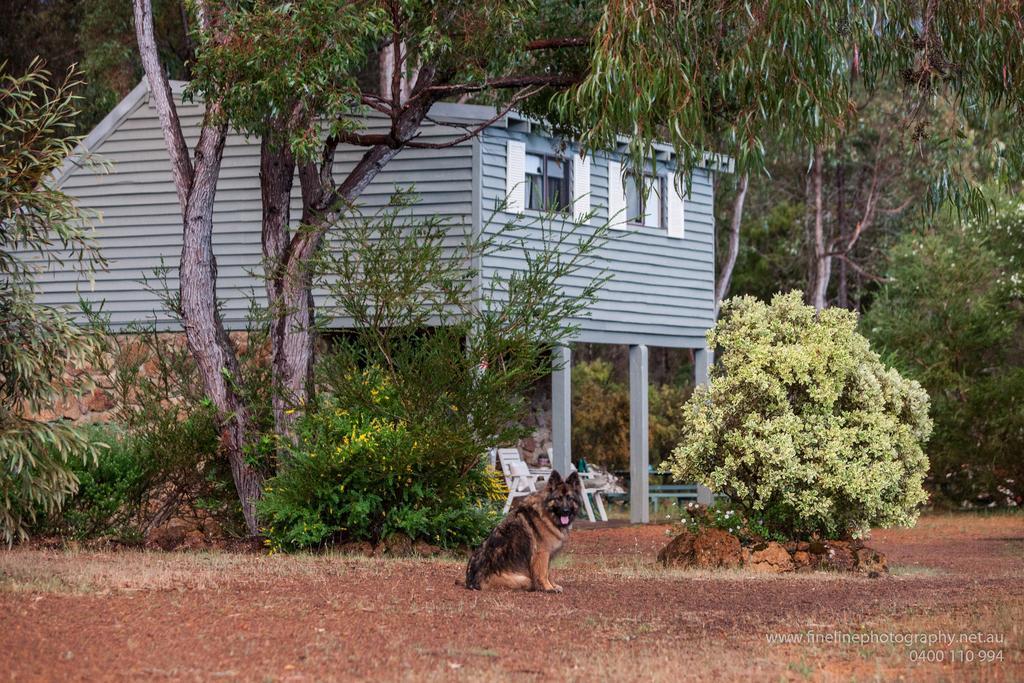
{"type": "Point", "coordinates": [212, 528]}
{"type": "Point", "coordinates": [169, 536]}
{"type": "Point", "coordinates": [99, 401]}
{"type": "Point", "coordinates": [871, 562]}
{"type": "Point", "coordinates": [802, 560]}
{"type": "Point", "coordinates": [398, 545]}
{"type": "Point", "coordinates": [363, 548]}
{"type": "Point", "coordinates": [773, 559]}
{"type": "Point", "coordinates": [836, 557]}
{"type": "Point", "coordinates": [714, 548]}
{"type": "Point", "coordinates": [71, 410]}
{"type": "Point", "coordinates": [424, 549]}
{"type": "Point", "coordinates": [678, 552]}
{"type": "Point", "coordinates": [708, 549]}
{"type": "Point", "coordinates": [194, 540]}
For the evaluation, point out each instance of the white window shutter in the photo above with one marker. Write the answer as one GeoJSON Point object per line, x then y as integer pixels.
{"type": "Point", "coordinates": [676, 211]}
{"type": "Point", "coordinates": [581, 187]}
{"type": "Point", "coordinates": [616, 197]}
{"type": "Point", "coordinates": [515, 176]}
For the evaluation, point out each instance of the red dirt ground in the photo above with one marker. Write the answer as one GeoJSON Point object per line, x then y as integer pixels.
{"type": "Point", "coordinates": [181, 616]}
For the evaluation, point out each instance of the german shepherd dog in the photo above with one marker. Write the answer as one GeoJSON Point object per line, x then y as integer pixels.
{"type": "Point", "coordinates": [519, 551]}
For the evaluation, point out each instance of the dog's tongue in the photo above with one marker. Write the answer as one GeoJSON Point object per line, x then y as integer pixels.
{"type": "Point", "coordinates": [564, 519]}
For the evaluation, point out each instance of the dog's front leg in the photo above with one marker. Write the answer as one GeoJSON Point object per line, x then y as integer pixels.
{"type": "Point", "coordinates": [539, 566]}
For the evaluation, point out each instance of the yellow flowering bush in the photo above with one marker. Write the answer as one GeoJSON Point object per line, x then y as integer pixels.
{"type": "Point", "coordinates": [364, 473]}
{"type": "Point", "coordinates": [802, 426]}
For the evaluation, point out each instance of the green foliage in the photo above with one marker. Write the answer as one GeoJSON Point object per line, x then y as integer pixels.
{"type": "Point", "coordinates": [600, 418]}
{"type": "Point", "coordinates": [40, 347]}
{"type": "Point", "coordinates": [719, 76]}
{"type": "Point", "coordinates": [307, 70]}
{"type": "Point", "coordinates": [726, 517]}
{"type": "Point", "coordinates": [952, 317]}
{"type": "Point", "coordinates": [431, 373]}
{"type": "Point", "coordinates": [771, 256]}
{"type": "Point", "coordinates": [110, 492]}
{"type": "Point", "coordinates": [98, 36]}
{"type": "Point", "coordinates": [461, 360]}
{"type": "Point", "coordinates": [361, 475]}
{"type": "Point", "coordinates": [802, 425]}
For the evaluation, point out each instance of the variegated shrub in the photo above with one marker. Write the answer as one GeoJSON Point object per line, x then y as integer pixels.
{"type": "Point", "coordinates": [802, 426]}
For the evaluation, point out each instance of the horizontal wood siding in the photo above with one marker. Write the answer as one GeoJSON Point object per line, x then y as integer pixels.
{"type": "Point", "coordinates": [661, 289]}
{"type": "Point", "coordinates": [139, 221]}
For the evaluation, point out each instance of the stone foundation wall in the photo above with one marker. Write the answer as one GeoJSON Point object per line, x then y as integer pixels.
{"type": "Point", "coordinates": [98, 404]}
{"type": "Point", "coordinates": [539, 419]}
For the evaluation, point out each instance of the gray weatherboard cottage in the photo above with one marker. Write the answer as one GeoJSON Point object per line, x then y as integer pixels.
{"type": "Point", "coordinates": [661, 266]}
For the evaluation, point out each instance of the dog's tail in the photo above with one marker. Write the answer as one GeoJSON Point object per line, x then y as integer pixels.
{"type": "Point", "coordinates": [473, 570]}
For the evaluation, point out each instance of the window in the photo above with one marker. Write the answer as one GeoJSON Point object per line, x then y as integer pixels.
{"type": "Point", "coordinates": [548, 185]}
{"type": "Point", "coordinates": [648, 211]}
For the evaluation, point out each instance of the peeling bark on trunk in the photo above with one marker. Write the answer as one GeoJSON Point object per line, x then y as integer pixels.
{"type": "Point", "coordinates": [204, 331]}
{"type": "Point", "coordinates": [277, 172]}
{"type": "Point", "coordinates": [842, 285]}
{"type": "Point", "coordinates": [822, 266]}
{"type": "Point", "coordinates": [196, 184]}
{"type": "Point", "coordinates": [725, 276]}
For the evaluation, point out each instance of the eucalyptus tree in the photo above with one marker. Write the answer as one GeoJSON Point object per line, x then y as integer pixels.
{"type": "Point", "coordinates": [294, 73]}
{"type": "Point", "coordinates": [715, 75]}
{"type": "Point", "coordinates": [731, 76]}
{"type": "Point", "coordinates": [41, 349]}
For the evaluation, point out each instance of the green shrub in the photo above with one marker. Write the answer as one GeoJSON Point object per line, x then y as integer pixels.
{"type": "Point", "coordinates": [41, 349]}
{"type": "Point", "coordinates": [952, 317]}
{"type": "Point", "coordinates": [140, 479]}
{"type": "Point", "coordinates": [726, 517]}
{"type": "Point", "coordinates": [802, 425]}
{"type": "Point", "coordinates": [362, 475]}
{"type": "Point", "coordinates": [110, 491]}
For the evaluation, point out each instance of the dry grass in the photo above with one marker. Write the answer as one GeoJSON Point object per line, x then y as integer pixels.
{"type": "Point", "coordinates": [622, 617]}
{"type": "Point", "coordinates": [82, 572]}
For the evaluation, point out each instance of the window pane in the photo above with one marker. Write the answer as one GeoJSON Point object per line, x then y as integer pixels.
{"type": "Point", "coordinates": [566, 194]}
{"type": "Point", "coordinates": [652, 214]}
{"type": "Point", "coordinates": [634, 202]}
{"type": "Point", "coordinates": [535, 192]}
{"type": "Point", "coordinates": [556, 168]}
{"type": "Point", "coordinates": [535, 164]}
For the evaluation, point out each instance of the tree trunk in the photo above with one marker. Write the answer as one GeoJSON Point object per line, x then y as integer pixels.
{"type": "Point", "coordinates": [725, 276]}
{"type": "Point", "coordinates": [207, 339]}
{"type": "Point", "coordinates": [322, 208]}
{"type": "Point", "coordinates": [277, 172]}
{"type": "Point", "coordinates": [842, 285]}
{"type": "Point", "coordinates": [208, 342]}
{"type": "Point", "coordinates": [822, 272]}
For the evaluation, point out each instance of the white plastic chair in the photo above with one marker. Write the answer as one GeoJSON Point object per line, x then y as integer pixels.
{"type": "Point", "coordinates": [593, 485]}
{"type": "Point", "coordinates": [506, 456]}
{"type": "Point", "coordinates": [521, 482]}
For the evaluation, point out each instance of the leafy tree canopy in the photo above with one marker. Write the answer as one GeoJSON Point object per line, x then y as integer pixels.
{"type": "Point", "coordinates": [727, 76]}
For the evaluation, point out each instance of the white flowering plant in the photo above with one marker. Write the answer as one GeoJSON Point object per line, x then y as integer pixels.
{"type": "Point", "coordinates": [802, 426]}
{"type": "Point", "coordinates": [724, 516]}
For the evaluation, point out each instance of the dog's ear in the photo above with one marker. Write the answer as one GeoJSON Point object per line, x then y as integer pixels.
{"type": "Point", "coordinates": [573, 480]}
{"type": "Point", "coordinates": [555, 479]}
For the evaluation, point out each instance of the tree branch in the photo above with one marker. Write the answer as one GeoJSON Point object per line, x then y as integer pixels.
{"type": "Point", "coordinates": [160, 88]}
{"type": "Point", "coordinates": [725, 278]}
{"type": "Point", "coordinates": [473, 131]}
{"type": "Point", "coordinates": [557, 43]}
{"type": "Point", "coordinates": [504, 83]}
